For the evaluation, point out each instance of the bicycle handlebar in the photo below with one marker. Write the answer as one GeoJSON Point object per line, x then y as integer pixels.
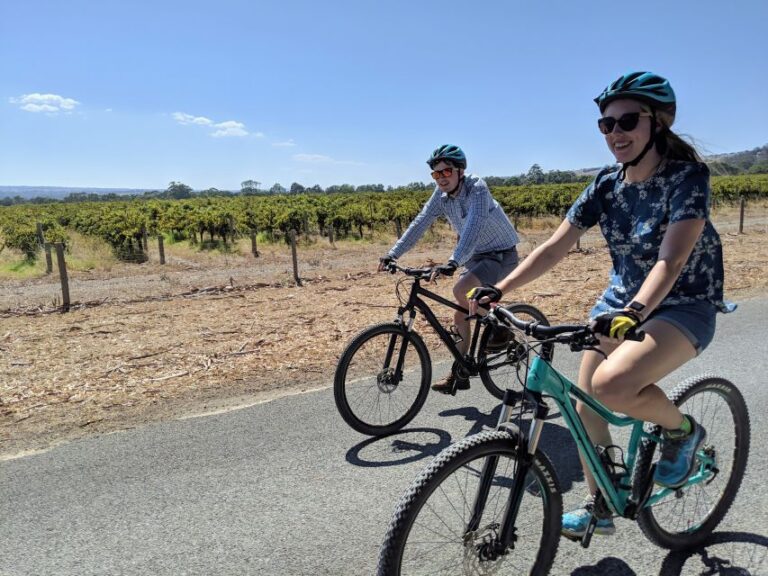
{"type": "Point", "coordinates": [573, 332]}
{"type": "Point", "coordinates": [420, 273]}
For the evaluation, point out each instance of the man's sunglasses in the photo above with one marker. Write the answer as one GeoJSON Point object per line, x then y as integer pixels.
{"type": "Point", "coordinates": [444, 173]}
{"type": "Point", "coordinates": [627, 122]}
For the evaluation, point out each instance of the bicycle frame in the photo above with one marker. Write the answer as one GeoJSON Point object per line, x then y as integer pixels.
{"type": "Point", "coordinates": [546, 380]}
{"type": "Point", "coordinates": [415, 302]}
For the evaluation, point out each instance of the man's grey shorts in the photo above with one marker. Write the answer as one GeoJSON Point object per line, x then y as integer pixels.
{"type": "Point", "coordinates": [490, 267]}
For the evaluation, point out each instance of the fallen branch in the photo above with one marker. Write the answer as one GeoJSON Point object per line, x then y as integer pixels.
{"type": "Point", "coordinates": [169, 376]}
{"type": "Point", "coordinates": [154, 353]}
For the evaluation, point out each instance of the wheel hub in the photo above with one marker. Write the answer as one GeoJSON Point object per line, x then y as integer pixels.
{"type": "Point", "coordinates": [386, 382]}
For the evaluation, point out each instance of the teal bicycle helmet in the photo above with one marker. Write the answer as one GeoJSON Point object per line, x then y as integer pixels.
{"type": "Point", "coordinates": [646, 87]}
{"type": "Point", "coordinates": [650, 89]}
{"type": "Point", "coordinates": [449, 153]}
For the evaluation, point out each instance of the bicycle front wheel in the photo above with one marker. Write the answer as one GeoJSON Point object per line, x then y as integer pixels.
{"type": "Point", "coordinates": [430, 531]}
{"type": "Point", "coordinates": [382, 379]}
{"type": "Point", "coordinates": [503, 356]}
{"type": "Point", "coordinates": [687, 517]}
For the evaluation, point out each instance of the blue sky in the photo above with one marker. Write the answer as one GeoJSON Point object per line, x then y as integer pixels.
{"type": "Point", "coordinates": [137, 94]}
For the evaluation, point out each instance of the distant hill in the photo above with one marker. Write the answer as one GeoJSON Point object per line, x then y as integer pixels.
{"type": "Point", "coordinates": [753, 161]}
{"type": "Point", "coordinates": [59, 192]}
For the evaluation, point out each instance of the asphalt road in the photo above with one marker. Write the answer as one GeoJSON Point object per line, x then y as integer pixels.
{"type": "Point", "coordinates": [286, 488]}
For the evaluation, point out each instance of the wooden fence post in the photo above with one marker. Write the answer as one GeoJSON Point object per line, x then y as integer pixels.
{"type": "Point", "coordinates": [398, 227]}
{"type": "Point", "coordinates": [254, 247]}
{"type": "Point", "coordinates": [161, 248]}
{"type": "Point", "coordinates": [145, 240]}
{"type": "Point", "coordinates": [48, 259]}
{"type": "Point", "coordinates": [742, 203]}
{"type": "Point", "coordinates": [63, 275]}
{"type": "Point", "coordinates": [330, 235]}
{"type": "Point", "coordinates": [40, 236]}
{"type": "Point", "coordinates": [292, 236]}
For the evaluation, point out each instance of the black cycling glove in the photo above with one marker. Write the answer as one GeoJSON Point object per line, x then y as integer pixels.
{"type": "Point", "coordinates": [616, 324]}
{"type": "Point", "coordinates": [448, 268]}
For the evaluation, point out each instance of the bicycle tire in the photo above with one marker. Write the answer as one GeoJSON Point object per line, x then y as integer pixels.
{"type": "Point", "coordinates": [499, 369]}
{"type": "Point", "coordinates": [441, 488]}
{"type": "Point", "coordinates": [688, 517]}
{"type": "Point", "coordinates": [366, 392]}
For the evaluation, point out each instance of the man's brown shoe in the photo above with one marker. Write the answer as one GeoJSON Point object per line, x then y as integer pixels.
{"type": "Point", "coordinates": [450, 384]}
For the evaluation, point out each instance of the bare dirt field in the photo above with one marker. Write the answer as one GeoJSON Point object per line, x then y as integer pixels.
{"type": "Point", "coordinates": [205, 332]}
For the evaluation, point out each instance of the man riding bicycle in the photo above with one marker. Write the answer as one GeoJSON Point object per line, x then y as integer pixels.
{"type": "Point", "coordinates": [487, 240]}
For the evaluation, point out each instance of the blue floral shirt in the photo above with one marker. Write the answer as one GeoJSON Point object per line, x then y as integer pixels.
{"type": "Point", "coordinates": [633, 218]}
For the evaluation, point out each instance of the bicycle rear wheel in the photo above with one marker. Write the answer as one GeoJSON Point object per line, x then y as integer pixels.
{"type": "Point", "coordinates": [687, 517]}
{"type": "Point", "coordinates": [428, 531]}
{"type": "Point", "coordinates": [382, 379]}
{"type": "Point", "coordinates": [502, 363]}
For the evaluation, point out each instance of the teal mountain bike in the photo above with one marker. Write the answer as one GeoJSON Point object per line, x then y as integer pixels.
{"type": "Point", "coordinates": [491, 503]}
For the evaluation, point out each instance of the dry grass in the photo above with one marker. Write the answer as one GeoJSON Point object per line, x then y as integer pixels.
{"type": "Point", "coordinates": [210, 331]}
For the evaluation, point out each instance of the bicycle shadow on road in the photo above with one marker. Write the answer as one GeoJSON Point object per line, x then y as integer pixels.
{"type": "Point", "coordinates": [724, 554]}
{"type": "Point", "coordinates": [402, 447]}
{"type": "Point", "coordinates": [556, 440]}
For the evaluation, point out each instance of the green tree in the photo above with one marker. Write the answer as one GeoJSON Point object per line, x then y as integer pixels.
{"type": "Point", "coordinates": [277, 189]}
{"type": "Point", "coordinates": [535, 175]}
{"type": "Point", "coordinates": [249, 187]}
{"type": "Point", "coordinates": [178, 191]}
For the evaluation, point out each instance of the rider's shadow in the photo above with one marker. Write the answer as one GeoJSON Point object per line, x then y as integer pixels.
{"type": "Point", "coordinates": [403, 447]}
{"type": "Point", "coordinates": [556, 440]}
{"type": "Point", "coordinates": [724, 554]}
{"type": "Point", "coordinates": [610, 565]}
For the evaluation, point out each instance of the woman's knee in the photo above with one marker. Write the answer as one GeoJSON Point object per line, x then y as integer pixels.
{"type": "Point", "coordinates": [613, 388]}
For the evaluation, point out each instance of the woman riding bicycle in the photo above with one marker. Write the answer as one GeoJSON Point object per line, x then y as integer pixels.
{"type": "Point", "coordinates": [487, 240]}
{"type": "Point", "coordinates": [667, 274]}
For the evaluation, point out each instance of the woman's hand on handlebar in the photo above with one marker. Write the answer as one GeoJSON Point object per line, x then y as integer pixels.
{"type": "Point", "coordinates": [618, 325]}
{"type": "Point", "coordinates": [479, 295]}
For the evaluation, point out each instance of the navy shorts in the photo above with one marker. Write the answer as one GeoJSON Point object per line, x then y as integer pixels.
{"type": "Point", "coordinates": [695, 321]}
{"type": "Point", "coordinates": [490, 267]}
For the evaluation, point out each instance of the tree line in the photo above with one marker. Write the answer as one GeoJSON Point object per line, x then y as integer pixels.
{"type": "Point", "coordinates": [215, 221]}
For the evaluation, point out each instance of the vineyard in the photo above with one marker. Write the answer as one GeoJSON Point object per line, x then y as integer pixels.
{"type": "Point", "coordinates": [219, 221]}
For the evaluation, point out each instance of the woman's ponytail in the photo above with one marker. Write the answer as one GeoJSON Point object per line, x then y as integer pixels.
{"type": "Point", "coordinates": [672, 146]}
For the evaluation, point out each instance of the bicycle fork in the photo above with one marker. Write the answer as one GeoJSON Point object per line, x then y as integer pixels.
{"type": "Point", "coordinates": [491, 549]}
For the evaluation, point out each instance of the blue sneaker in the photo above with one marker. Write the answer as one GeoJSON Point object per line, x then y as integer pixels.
{"type": "Point", "coordinates": [678, 456]}
{"type": "Point", "coordinates": [575, 522]}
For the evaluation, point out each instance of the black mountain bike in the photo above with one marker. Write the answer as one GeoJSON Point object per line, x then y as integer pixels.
{"type": "Point", "coordinates": [384, 374]}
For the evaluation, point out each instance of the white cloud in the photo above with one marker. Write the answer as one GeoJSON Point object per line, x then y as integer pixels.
{"type": "Point", "coordinates": [222, 129]}
{"type": "Point", "coordinates": [287, 144]}
{"type": "Point", "coordinates": [48, 103]}
{"type": "Point", "coordinates": [229, 128]}
{"type": "Point", "coordinates": [186, 119]}
{"type": "Point", "coordinates": [313, 158]}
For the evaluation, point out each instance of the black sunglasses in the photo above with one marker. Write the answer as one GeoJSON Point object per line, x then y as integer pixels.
{"type": "Point", "coordinates": [627, 122]}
